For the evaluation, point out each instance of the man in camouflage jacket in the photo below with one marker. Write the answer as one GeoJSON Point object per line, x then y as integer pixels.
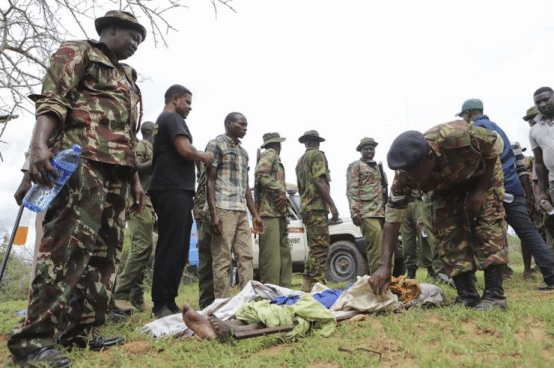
{"type": "Point", "coordinates": [366, 198]}
{"type": "Point", "coordinates": [313, 177]}
{"type": "Point", "coordinates": [90, 99]}
{"type": "Point", "coordinates": [275, 255]}
{"type": "Point", "coordinates": [460, 162]}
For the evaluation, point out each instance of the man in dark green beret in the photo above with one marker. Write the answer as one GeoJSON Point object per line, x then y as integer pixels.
{"type": "Point", "coordinates": [275, 254]}
{"type": "Point", "coordinates": [90, 99]}
{"type": "Point", "coordinates": [460, 163]}
{"type": "Point", "coordinates": [366, 198]}
{"type": "Point", "coordinates": [313, 177]}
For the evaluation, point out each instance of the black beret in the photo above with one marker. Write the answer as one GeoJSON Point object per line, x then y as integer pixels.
{"type": "Point", "coordinates": [407, 151]}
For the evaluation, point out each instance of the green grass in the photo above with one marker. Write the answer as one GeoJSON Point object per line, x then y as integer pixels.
{"type": "Point", "coordinates": [446, 336]}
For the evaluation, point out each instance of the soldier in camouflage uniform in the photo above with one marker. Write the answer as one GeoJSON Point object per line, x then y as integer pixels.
{"type": "Point", "coordinates": [202, 218]}
{"type": "Point", "coordinates": [312, 174]}
{"type": "Point", "coordinates": [460, 162]}
{"type": "Point", "coordinates": [275, 253]}
{"type": "Point", "coordinates": [366, 198]}
{"type": "Point", "coordinates": [88, 98]}
{"type": "Point", "coordinates": [129, 292]}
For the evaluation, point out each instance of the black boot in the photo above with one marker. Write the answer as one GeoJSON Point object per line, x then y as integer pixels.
{"type": "Point", "coordinates": [467, 293]}
{"type": "Point", "coordinates": [431, 272]}
{"type": "Point", "coordinates": [411, 272]}
{"type": "Point", "coordinates": [493, 296]}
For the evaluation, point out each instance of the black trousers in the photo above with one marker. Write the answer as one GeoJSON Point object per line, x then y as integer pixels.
{"type": "Point", "coordinates": [174, 211]}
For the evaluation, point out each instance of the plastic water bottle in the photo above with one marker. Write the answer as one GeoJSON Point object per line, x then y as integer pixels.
{"type": "Point", "coordinates": [39, 197]}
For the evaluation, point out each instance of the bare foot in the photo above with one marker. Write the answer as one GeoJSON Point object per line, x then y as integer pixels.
{"type": "Point", "coordinates": [199, 324]}
{"type": "Point", "coordinates": [528, 275]}
{"type": "Point", "coordinates": [222, 329]}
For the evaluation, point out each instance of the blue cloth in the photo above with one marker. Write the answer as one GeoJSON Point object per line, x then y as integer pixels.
{"type": "Point", "coordinates": [327, 298]}
{"type": "Point", "coordinates": [508, 158]}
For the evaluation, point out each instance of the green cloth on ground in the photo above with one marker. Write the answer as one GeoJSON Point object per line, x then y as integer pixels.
{"type": "Point", "coordinates": [306, 310]}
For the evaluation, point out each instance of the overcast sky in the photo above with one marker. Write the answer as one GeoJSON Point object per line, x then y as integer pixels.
{"type": "Point", "coordinates": [349, 69]}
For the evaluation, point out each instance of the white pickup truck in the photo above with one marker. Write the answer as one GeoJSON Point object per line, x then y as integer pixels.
{"type": "Point", "coordinates": [347, 253]}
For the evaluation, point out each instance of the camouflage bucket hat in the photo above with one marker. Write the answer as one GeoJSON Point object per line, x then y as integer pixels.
{"type": "Point", "coordinates": [531, 113]}
{"type": "Point", "coordinates": [271, 138]}
{"type": "Point", "coordinates": [312, 135]}
{"type": "Point", "coordinates": [471, 104]}
{"type": "Point", "coordinates": [119, 17]}
{"type": "Point", "coordinates": [365, 142]}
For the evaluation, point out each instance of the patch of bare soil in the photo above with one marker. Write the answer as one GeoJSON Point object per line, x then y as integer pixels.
{"type": "Point", "coordinates": [136, 347]}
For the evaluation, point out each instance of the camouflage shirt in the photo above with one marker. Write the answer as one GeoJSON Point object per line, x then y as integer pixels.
{"type": "Point", "coordinates": [461, 150]}
{"type": "Point", "coordinates": [310, 166]}
{"type": "Point", "coordinates": [200, 195]}
{"type": "Point", "coordinates": [270, 175]}
{"type": "Point", "coordinates": [364, 190]}
{"type": "Point", "coordinates": [95, 99]}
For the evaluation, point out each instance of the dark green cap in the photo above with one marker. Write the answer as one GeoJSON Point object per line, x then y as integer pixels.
{"type": "Point", "coordinates": [471, 104]}
{"type": "Point", "coordinates": [312, 135]}
{"type": "Point", "coordinates": [366, 141]}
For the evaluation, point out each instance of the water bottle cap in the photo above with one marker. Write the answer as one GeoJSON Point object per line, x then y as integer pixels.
{"type": "Point", "coordinates": [77, 149]}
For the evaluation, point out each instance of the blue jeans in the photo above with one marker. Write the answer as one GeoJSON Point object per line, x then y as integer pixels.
{"type": "Point", "coordinates": [518, 218]}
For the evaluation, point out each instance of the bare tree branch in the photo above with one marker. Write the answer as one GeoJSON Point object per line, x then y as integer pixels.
{"type": "Point", "coordinates": [31, 30]}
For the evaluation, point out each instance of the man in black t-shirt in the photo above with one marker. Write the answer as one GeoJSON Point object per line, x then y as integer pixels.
{"type": "Point", "coordinates": [172, 189]}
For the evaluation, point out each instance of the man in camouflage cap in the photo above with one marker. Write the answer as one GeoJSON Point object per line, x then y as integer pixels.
{"type": "Point", "coordinates": [313, 177]}
{"type": "Point", "coordinates": [275, 255]}
{"type": "Point", "coordinates": [88, 98]}
{"type": "Point", "coordinates": [460, 162]}
{"type": "Point", "coordinates": [366, 198]}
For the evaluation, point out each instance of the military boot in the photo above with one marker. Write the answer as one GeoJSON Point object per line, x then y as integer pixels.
{"type": "Point", "coordinates": [431, 272]}
{"type": "Point", "coordinates": [306, 284]}
{"type": "Point", "coordinates": [493, 296]}
{"type": "Point", "coordinates": [411, 272]}
{"type": "Point", "coordinates": [467, 293]}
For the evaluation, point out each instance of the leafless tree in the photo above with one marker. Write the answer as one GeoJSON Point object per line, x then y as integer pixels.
{"type": "Point", "coordinates": [31, 30]}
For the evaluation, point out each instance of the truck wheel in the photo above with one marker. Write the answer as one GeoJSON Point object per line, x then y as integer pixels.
{"type": "Point", "coordinates": [345, 262]}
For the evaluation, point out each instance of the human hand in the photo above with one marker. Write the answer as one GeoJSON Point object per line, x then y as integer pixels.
{"type": "Point", "coordinates": [139, 197]}
{"type": "Point", "coordinates": [380, 280]}
{"type": "Point", "coordinates": [475, 202]}
{"type": "Point", "coordinates": [258, 224]}
{"type": "Point", "coordinates": [357, 220]}
{"type": "Point", "coordinates": [40, 166]}
{"type": "Point", "coordinates": [208, 158]}
{"type": "Point", "coordinates": [23, 188]}
{"type": "Point", "coordinates": [334, 214]}
{"type": "Point", "coordinates": [216, 224]}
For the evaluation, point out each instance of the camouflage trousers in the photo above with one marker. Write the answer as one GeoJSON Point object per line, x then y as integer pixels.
{"type": "Point", "coordinates": [463, 246]}
{"type": "Point", "coordinates": [128, 285]}
{"type": "Point", "coordinates": [83, 235]}
{"type": "Point", "coordinates": [416, 249]}
{"type": "Point", "coordinates": [317, 232]}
